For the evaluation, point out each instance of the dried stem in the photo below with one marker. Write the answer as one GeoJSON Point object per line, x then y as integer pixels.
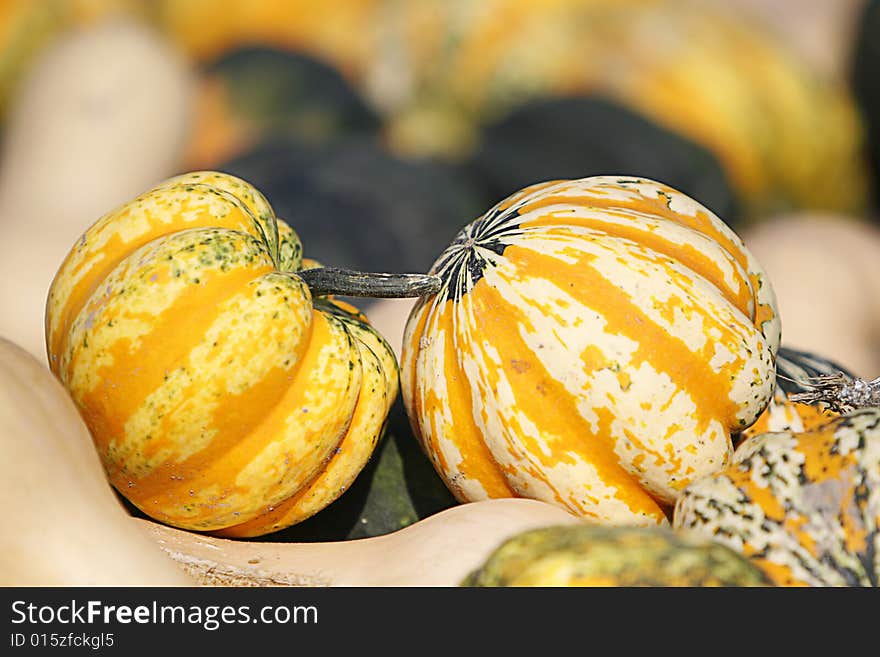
{"type": "Point", "coordinates": [343, 282]}
{"type": "Point", "coordinates": [840, 392]}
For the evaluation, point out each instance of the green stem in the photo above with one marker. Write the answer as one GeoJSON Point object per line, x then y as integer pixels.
{"type": "Point", "coordinates": [344, 282]}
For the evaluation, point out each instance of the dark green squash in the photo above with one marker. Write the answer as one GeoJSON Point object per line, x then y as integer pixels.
{"type": "Point", "coordinates": [865, 81]}
{"type": "Point", "coordinates": [576, 137]}
{"type": "Point", "coordinates": [358, 206]}
{"type": "Point", "coordinates": [259, 92]}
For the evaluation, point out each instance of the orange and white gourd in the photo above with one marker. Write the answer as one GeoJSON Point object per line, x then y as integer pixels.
{"type": "Point", "coordinates": [594, 345]}
{"type": "Point", "coordinates": [221, 395]}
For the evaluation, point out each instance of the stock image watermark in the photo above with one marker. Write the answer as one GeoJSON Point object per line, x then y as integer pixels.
{"type": "Point", "coordinates": [98, 623]}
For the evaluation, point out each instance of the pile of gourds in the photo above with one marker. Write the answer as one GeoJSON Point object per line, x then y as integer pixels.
{"type": "Point", "coordinates": [579, 364]}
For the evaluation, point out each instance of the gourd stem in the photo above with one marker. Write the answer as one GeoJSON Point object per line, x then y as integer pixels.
{"type": "Point", "coordinates": [841, 392]}
{"type": "Point", "coordinates": [344, 282]}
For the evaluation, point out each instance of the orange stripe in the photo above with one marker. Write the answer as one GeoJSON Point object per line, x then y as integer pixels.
{"type": "Point", "coordinates": [135, 373]}
{"type": "Point", "coordinates": [167, 487]}
{"type": "Point", "coordinates": [536, 390]}
{"type": "Point", "coordinates": [687, 254]}
{"type": "Point", "coordinates": [477, 462]}
{"type": "Point", "coordinates": [689, 371]}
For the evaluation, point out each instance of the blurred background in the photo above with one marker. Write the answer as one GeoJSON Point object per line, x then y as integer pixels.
{"type": "Point", "coordinates": [379, 128]}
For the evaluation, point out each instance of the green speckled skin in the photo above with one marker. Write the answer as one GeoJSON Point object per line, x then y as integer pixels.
{"type": "Point", "coordinates": [594, 555]}
{"type": "Point", "coordinates": [803, 506]}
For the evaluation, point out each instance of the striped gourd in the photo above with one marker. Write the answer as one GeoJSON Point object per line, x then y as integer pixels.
{"type": "Point", "coordinates": [594, 345]}
{"type": "Point", "coordinates": [221, 390]}
{"type": "Point", "coordinates": [804, 506]}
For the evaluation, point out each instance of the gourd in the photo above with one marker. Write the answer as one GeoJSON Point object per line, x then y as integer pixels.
{"type": "Point", "coordinates": [439, 550]}
{"type": "Point", "coordinates": [593, 555]}
{"type": "Point", "coordinates": [224, 390]}
{"type": "Point", "coordinates": [62, 524]}
{"type": "Point", "coordinates": [257, 93]}
{"type": "Point", "coordinates": [803, 506]}
{"type": "Point", "coordinates": [66, 527]}
{"type": "Point", "coordinates": [465, 67]}
{"type": "Point", "coordinates": [554, 138]}
{"type": "Point", "coordinates": [594, 344]}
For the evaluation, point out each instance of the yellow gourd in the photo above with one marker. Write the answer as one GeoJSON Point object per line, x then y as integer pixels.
{"type": "Point", "coordinates": [223, 388]}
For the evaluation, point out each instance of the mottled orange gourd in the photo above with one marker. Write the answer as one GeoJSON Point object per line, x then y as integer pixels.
{"type": "Point", "coordinates": [220, 394]}
{"type": "Point", "coordinates": [595, 344]}
{"type": "Point", "coordinates": [801, 505]}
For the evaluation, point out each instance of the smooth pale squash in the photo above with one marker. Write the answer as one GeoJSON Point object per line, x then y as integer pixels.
{"type": "Point", "coordinates": [220, 394]}
{"type": "Point", "coordinates": [594, 345]}
{"type": "Point", "coordinates": [592, 555]}
{"type": "Point", "coordinates": [62, 524]}
{"type": "Point", "coordinates": [437, 551]}
{"type": "Point", "coordinates": [28, 27]}
{"type": "Point", "coordinates": [805, 507]}
{"type": "Point", "coordinates": [86, 104]}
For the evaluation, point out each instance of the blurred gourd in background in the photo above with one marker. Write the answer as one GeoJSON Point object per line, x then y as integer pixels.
{"type": "Point", "coordinates": [26, 27]}
{"type": "Point", "coordinates": [736, 78]}
{"type": "Point", "coordinates": [100, 114]}
{"type": "Point", "coordinates": [788, 137]}
{"type": "Point", "coordinates": [555, 138]}
{"type": "Point", "coordinates": [254, 91]}
{"type": "Point", "coordinates": [865, 79]}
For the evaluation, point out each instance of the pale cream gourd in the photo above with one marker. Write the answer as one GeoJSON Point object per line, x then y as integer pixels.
{"type": "Point", "coordinates": [62, 524]}
{"type": "Point", "coordinates": [102, 114]}
{"type": "Point", "coordinates": [65, 527]}
{"type": "Point", "coordinates": [439, 550]}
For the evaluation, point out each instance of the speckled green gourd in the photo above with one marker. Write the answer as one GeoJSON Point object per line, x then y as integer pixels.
{"type": "Point", "coordinates": [594, 555]}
